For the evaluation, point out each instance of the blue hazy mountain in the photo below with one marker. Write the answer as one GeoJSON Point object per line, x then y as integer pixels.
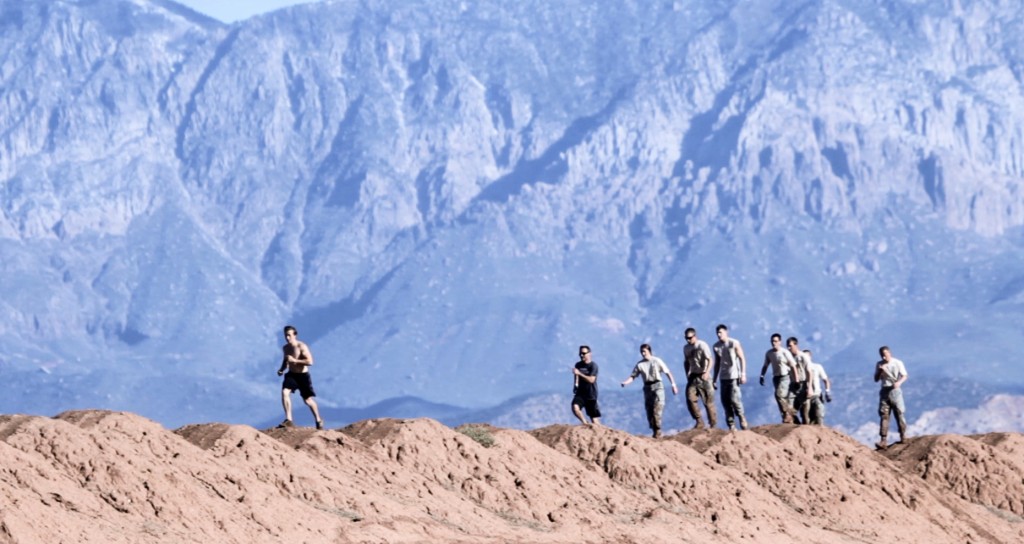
{"type": "Point", "coordinates": [448, 198]}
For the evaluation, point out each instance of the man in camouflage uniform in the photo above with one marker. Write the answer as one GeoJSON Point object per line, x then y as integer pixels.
{"type": "Point", "coordinates": [730, 373]}
{"type": "Point", "coordinates": [891, 372]}
{"type": "Point", "coordinates": [798, 381]}
{"type": "Point", "coordinates": [652, 369]}
{"type": "Point", "coordinates": [697, 361]}
{"type": "Point", "coordinates": [783, 366]}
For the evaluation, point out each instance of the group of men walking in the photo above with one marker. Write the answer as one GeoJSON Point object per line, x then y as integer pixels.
{"type": "Point", "coordinates": [797, 382]}
{"type": "Point", "coordinates": [796, 379]}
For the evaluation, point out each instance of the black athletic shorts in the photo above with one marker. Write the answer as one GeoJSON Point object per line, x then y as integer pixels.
{"type": "Point", "coordinates": [300, 382]}
{"type": "Point", "coordinates": [589, 405]}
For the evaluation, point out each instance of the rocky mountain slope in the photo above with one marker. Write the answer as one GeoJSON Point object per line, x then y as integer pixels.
{"type": "Point", "coordinates": [448, 198]}
{"type": "Point", "coordinates": [95, 476]}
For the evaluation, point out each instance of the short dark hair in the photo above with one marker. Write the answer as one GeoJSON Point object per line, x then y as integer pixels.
{"type": "Point", "coordinates": [291, 328]}
{"type": "Point", "coordinates": [721, 327]}
{"type": "Point", "coordinates": [689, 331]}
{"type": "Point", "coordinates": [585, 348]}
{"type": "Point", "coordinates": [882, 350]}
{"type": "Point", "coordinates": [777, 335]}
{"type": "Point", "coordinates": [792, 340]}
{"type": "Point", "coordinates": [647, 347]}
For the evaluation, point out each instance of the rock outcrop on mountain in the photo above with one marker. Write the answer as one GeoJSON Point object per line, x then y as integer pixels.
{"type": "Point", "coordinates": [96, 476]}
{"type": "Point", "coordinates": [447, 198]}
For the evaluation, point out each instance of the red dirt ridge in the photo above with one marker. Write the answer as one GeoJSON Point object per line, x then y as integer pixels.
{"type": "Point", "coordinates": [96, 476]}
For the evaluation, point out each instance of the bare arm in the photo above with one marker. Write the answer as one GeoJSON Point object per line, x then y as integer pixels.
{"type": "Point", "coordinates": [718, 362]}
{"type": "Point", "coordinates": [900, 381]}
{"type": "Point", "coordinates": [629, 380]}
{"type": "Point", "coordinates": [711, 360]}
{"type": "Point", "coordinates": [671, 379]}
{"type": "Point", "coordinates": [792, 363]}
{"type": "Point", "coordinates": [743, 362]}
{"type": "Point", "coordinates": [284, 361]}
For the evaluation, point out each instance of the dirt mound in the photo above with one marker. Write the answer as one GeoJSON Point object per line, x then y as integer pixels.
{"type": "Point", "coordinates": [94, 476]}
{"type": "Point", "coordinates": [983, 469]}
{"type": "Point", "coordinates": [827, 476]}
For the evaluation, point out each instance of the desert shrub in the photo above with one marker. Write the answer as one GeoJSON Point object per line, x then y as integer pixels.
{"type": "Point", "coordinates": [479, 433]}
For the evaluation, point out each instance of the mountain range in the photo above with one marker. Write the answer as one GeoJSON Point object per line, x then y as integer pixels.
{"type": "Point", "coordinates": [448, 198]}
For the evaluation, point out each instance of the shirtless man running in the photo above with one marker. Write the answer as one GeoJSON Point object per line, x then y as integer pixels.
{"type": "Point", "coordinates": [297, 359]}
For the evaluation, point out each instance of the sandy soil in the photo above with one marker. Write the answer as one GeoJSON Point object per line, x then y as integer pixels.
{"type": "Point", "coordinates": [97, 476]}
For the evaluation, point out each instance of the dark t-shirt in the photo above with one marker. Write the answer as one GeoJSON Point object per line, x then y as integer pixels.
{"type": "Point", "coordinates": [586, 390]}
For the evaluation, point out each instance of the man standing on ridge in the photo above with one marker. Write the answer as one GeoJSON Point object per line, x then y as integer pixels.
{"type": "Point", "coordinates": [815, 375]}
{"type": "Point", "coordinates": [730, 373]}
{"type": "Point", "coordinates": [892, 373]}
{"type": "Point", "coordinates": [798, 382]}
{"type": "Point", "coordinates": [584, 388]}
{"type": "Point", "coordinates": [652, 368]}
{"type": "Point", "coordinates": [297, 359]}
{"type": "Point", "coordinates": [697, 360]}
{"type": "Point", "coordinates": [783, 365]}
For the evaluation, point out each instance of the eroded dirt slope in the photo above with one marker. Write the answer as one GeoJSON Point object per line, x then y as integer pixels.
{"type": "Point", "coordinates": [96, 476]}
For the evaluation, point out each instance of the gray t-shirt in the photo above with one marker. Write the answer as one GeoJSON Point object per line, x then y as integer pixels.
{"type": "Point", "coordinates": [780, 360]}
{"type": "Point", "coordinates": [693, 363]}
{"type": "Point", "coordinates": [728, 359]}
{"type": "Point", "coordinates": [651, 370]}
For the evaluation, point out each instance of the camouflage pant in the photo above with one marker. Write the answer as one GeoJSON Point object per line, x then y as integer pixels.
{"type": "Point", "coordinates": [783, 397]}
{"type": "Point", "coordinates": [698, 388]}
{"type": "Point", "coordinates": [814, 410]}
{"type": "Point", "coordinates": [732, 401]}
{"type": "Point", "coordinates": [890, 399]}
{"type": "Point", "coordinates": [654, 404]}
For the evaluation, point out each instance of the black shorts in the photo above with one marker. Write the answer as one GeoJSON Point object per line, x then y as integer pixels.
{"type": "Point", "coordinates": [300, 382]}
{"type": "Point", "coordinates": [589, 405]}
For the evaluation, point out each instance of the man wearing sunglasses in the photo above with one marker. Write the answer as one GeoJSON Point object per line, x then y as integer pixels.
{"type": "Point", "coordinates": [697, 361]}
{"type": "Point", "coordinates": [584, 388]}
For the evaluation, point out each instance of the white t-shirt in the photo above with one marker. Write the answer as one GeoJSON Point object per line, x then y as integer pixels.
{"type": "Point", "coordinates": [815, 373]}
{"type": "Point", "coordinates": [892, 371]}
